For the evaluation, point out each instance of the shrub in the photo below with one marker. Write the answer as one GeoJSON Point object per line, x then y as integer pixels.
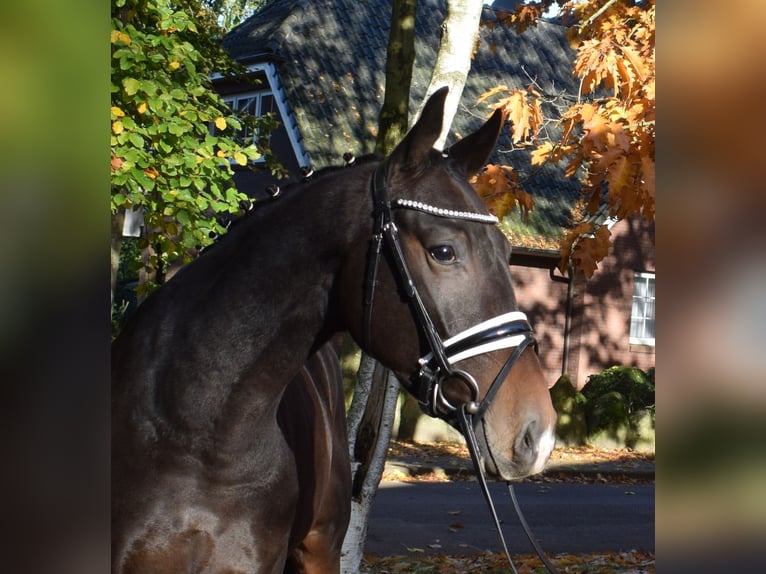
{"type": "Point", "coordinates": [634, 384]}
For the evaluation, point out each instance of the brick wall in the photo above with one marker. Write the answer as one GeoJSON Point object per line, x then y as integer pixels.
{"type": "Point", "coordinates": [544, 302]}
{"type": "Point", "coordinates": [607, 301]}
{"type": "Point", "coordinates": [600, 321]}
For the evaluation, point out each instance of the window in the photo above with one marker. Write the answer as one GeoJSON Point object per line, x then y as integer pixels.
{"type": "Point", "coordinates": [642, 315]}
{"type": "Point", "coordinates": [251, 104]}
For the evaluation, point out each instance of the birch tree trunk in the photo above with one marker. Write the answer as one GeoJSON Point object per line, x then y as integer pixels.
{"type": "Point", "coordinates": [371, 414]}
{"type": "Point", "coordinates": [370, 420]}
{"type": "Point", "coordinates": [460, 32]}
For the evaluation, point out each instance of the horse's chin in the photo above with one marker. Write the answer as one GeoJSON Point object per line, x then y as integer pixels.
{"type": "Point", "coordinates": [500, 463]}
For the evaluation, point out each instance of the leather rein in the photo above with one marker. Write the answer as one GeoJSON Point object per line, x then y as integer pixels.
{"type": "Point", "coordinates": [511, 330]}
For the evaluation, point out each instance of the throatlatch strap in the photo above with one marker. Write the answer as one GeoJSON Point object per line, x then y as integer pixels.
{"type": "Point", "coordinates": [370, 282]}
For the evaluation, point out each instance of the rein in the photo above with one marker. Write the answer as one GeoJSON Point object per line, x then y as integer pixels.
{"type": "Point", "coordinates": [511, 330]}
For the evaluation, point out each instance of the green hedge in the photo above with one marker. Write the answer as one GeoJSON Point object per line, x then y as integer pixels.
{"type": "Point", "coordinates": [634, 384]}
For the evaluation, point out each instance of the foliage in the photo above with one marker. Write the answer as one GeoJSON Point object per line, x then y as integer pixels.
{"type": "Point", "coordinates": [125, 300]}
{"type": "Point", "coordinates": [231, 12]}
{"type": "Point", "coordinates": [130, 262]}
{"type": "Point", "coordinates": [119, 314]}
{"type": "Point", "coordinates": [420, 561]}
{"type": "Point", "coordinates": [164, 158]}
{"type": "Point", "coordinates": [498, 186]}
{"type": "Point", "coordinates": [569, 404]}
{"type": "Point", "coordinates": [607, 136]}
{"type": "Point", "coordinates": [634, 384]}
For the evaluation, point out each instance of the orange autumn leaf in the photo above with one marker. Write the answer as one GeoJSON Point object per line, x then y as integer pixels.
{"type": "Point", "coordinates": [490, 93]}
{"type": "Point", "coordinates": [498, 187]}
{"type": "Point", "coordinates": [586, 251]}
{"type": "Point", "coordinates": [605, 139]}
{"type": "Point", "coordinates": [521, 107]}
{"type": "Point", "coordinates": [542, 153]}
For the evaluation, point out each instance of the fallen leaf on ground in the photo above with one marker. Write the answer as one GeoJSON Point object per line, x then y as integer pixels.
{"type": "Point", "coordinates": [633, 562]}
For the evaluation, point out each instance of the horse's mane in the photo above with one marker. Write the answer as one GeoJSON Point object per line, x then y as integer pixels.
{"type": "Point", "coordinates": [257, 206]}
{"type": "Point", "coordinates": [329, 170]}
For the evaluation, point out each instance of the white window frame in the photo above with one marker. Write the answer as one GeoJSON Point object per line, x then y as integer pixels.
{"type": "Point", "coordinates": [233, 102]}
{"type": "Point", "coordinates": [641, 312]}
{"type": "Point", "coordinates": [287, 116]}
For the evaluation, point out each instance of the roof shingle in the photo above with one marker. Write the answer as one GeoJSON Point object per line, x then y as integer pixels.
{"type": "Point", "coordinates": [330, 57]}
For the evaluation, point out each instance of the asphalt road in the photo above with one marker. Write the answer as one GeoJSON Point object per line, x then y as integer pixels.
{"type": "Point", "coordinates": [453, 518]}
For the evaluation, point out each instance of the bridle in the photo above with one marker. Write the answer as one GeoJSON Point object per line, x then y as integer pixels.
{"type": "Point", "coordinates": [506, 331]}
{"type": "Point", "coordinates": [501, 332]}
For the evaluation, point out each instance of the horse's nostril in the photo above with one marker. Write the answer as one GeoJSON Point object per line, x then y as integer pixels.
{"type": "Point", "coordinates": [526, 444]}
{"type": "Point", "coordinates": [529, 443]}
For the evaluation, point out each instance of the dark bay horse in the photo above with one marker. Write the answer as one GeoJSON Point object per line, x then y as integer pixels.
{"type": "Point", "coordinates": [402, 254]}
{"type": "Point", "coordinates": [312, 418]}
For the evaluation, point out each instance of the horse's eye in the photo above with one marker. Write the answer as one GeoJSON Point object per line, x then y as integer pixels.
{"type": "Point", "coordinates": [443, 254]}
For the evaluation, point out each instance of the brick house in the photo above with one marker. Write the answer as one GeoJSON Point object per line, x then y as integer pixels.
{"type": "Point", "coordinates": [321, 68]}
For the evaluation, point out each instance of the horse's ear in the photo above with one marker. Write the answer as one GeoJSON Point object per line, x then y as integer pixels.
{"type": "Point", "coordinates": [472, 152]}
{"type": "Point", "coordinates": [416, 145]}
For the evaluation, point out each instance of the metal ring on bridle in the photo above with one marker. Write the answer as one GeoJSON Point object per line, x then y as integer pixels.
{"type": "Point", "coordinates": [507, 331]}
{"type": "Point", "coordinates": [441, 404]}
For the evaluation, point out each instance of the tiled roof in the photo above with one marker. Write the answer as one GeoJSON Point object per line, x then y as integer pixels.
{"type": "Point", "coordinates": [330, 57]}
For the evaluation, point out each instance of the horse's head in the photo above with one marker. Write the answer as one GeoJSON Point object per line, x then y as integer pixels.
{"type": "Point", "coordinates": [439, 307]}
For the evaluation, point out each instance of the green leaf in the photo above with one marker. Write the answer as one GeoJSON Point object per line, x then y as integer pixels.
{"type": "Point", "coordinates": [136, 139]}
{"type": "Point", "coordinates": [183, 217]}
{"type": "Point", "coordinates": [131, 86]}
{"type": "Point", "coordinates": [232, 195]}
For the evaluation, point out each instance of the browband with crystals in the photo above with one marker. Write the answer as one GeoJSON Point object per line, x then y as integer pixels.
{"type": "Point", "coordinates": [441, 212]}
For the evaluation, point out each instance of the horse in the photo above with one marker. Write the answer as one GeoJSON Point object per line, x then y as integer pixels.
{"type": "Point", "coordinates": [401, 253]}
{"type": "Point", "coordinates": [312, 418]}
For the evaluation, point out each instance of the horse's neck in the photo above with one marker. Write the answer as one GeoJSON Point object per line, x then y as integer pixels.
{"type": "Point", "coordinates": [216, 347]}
{"type": "Point", "coordinates": [261, 297]}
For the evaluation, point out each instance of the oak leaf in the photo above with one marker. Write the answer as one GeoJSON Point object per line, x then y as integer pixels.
{"type": "Point", "coordinates": [590, 250]}
{"type": "Point", "coordinates": [541, 154]}
{"type": "Point", "coordinates": [499, 188]}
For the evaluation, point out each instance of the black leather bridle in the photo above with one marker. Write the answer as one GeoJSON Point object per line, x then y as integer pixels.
{"type": "Point", "coordinates": [505, 331]}
{"type": "Point", "coordinates": [510, 330]}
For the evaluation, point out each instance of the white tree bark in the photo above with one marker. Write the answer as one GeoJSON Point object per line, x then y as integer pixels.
{"type": "Point", "coordinates": [460, 32]}
{"type": "Point", "coordinates": [370, 420]}
{"type": "Point", "coordinates": [371, 414]}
